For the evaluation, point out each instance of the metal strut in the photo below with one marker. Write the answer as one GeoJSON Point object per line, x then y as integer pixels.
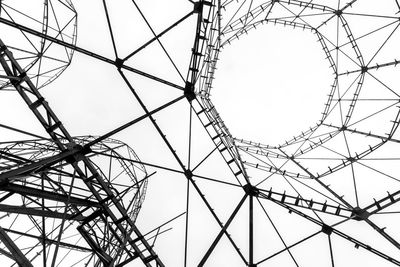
{"type": "Point", "coordinates": [129, 241]}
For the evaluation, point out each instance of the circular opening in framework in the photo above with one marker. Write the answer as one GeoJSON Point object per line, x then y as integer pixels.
{"type": "Point", "coordinates": [271, 83]}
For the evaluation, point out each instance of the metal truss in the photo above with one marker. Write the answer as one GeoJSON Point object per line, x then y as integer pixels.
{"type": "Point", "coordinates": [329, 193]}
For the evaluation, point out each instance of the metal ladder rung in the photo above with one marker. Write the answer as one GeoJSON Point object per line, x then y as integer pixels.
{"type": "Point", "coordinates": [150, 258]}
{"type": "Point", "coordinates": [124, 218]}
{"type": "Point", "coordinates": [37, 103]}
{"type": "Point", "coordinates": [208, 124]}
{"type": "Point", "coordinates": [53, 127]}
{"type": "Point", "coordinates": [223, 149]}
{"type": "Point", "coordinates": [230, 161]}
{"type": "Point", "coordinates": [201, 111]}
{"type": "Point", "coordinates": [215, 137]}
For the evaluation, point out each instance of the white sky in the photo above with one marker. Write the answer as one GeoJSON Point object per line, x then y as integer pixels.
{"type": "Point", "coordinates": [270, 85]}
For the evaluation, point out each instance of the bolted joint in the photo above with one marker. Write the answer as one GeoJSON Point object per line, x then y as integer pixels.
{"type": "Point", "coordinates": [359, 214]}
{"type": "Point", "coordinates": [3, 48]}
{"type": "Point", "coordinates": [188, 174]}
{"type": "Point", "coordinates": [364, 69]}
{"type": "Point", "coordinates": [189, 91]}
{"type": "Point", "coordinates": [198, 7]}
{"type": "Point", "coordinates": [22, 75]}
{"type": "Point", "coordinates": [78, 152]}
{"type": "Point", "coordinates": [119, 63]}
{"type": "Point", "coordinates": [251, 190]}
{"type": "Point", "coordinates": [21, 78]}
{"type": "Point", "coordinates": [326, 229]}
{"type": "Point", "coordinates": [338, 12]}
{"type": "Point", "coordinates": [86, 150]}
{"type": "Point", "coordinates": [351, 159]}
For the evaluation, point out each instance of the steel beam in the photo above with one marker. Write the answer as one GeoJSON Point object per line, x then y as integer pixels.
{"type": "Point", "coordinates": [49, 241]}
{"type": "Point", "coordinates": [29, 191]}
{"type": "Point", "coordinates": [17, 254]}
{"type": "Point", "coordinates": [39, 212]}
{"type": "Point", "coordinates": [84, 51]}
{"type": "Point", "coordinates": [26, 170]}
{"type": "Point", "coordinates": [300, 202]}
{"type": "Point", "coordinates": [86, 171]}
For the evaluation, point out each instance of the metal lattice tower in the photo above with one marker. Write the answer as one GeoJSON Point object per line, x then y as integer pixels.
{"type": "Point", "coordinates": [139, 97]}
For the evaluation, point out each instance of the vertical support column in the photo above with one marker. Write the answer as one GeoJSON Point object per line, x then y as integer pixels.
{"type": "Point", "coordinates": [251, 232]}
{"type": "Point", "coordinates": [252, 192]}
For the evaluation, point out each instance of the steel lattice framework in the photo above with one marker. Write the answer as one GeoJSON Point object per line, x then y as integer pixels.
{"type": "Point", "coordinates": [143, 85]}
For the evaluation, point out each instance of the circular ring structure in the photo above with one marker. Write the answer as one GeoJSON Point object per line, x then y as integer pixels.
{"type": "Point", "coordinates": [28, 215]}
{"type": "Point", "coordinates": [39, 24]}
